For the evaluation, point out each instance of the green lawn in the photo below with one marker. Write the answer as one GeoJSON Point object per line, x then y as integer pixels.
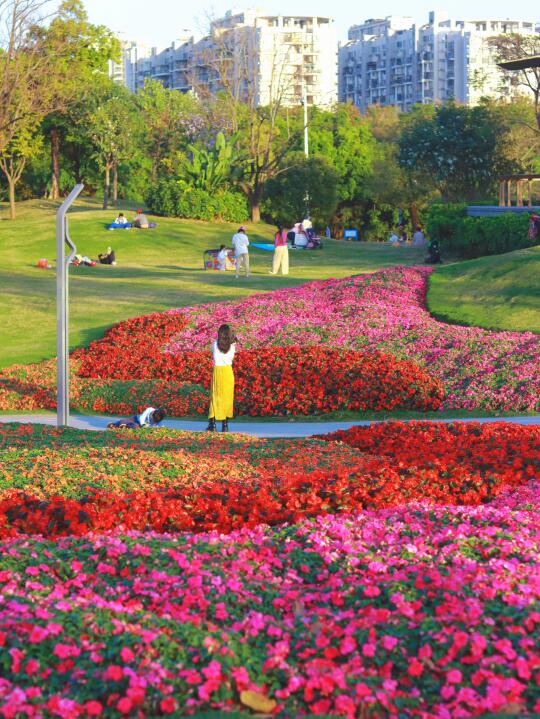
{"type": "Point", "coordinates": [500, 292]}
{"type": "Point", "coordinates": [157, 269]}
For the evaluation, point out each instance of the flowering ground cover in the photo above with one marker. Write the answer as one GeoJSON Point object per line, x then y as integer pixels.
{"type": "Point", "coordinates": [175, 481]}
{"type": "Point", "coordinates": [268, 382]}
{"type": "Point", "coordinates": [414, 611]}
{"type": "Point", "coordinates": [385, 572]}
{"type": "Point", "coordinates": [365, 342]}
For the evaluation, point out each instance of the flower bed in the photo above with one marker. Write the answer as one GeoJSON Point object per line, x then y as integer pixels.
{"type": "Point", "coordinates": [383, 311]}
{"type": "Point", "coordinates": [181, 483]}
{"type": "Point", "coordinates": [409, 612]}
{"type": "Point", "coordinates": [297, 347]}
{"type": "Point", "coordinates": [277, 381]}
{"type": "Point", "coordinates": [417, 610]}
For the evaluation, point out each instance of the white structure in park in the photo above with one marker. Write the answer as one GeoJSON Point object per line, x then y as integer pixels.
{"type": "Point", "coordinates": [394, 61]}
{"type": "Point", "coordinates": [270, 56]}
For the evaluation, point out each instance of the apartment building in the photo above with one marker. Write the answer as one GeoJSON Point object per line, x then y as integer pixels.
{"type": "Point", "coordinates": [264, 56]}
{"type": "Point", "coordinates": [394, 61]}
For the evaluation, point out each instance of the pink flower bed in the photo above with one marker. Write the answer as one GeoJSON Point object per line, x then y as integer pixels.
{"type": "Point", "coordinates": [418, 611]}
{"type": "Point", "coordinates": [385, 311]}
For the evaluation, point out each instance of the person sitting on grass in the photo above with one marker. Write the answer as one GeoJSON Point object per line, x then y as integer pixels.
{"type": "Point", "coordinates": [140, 221]}
{"type": "Point", "coordinates": [150, 417]}
{"type": "Point", "coordinates": [121, 223]}
{"type": "Point", "coordinates": [222, 258]}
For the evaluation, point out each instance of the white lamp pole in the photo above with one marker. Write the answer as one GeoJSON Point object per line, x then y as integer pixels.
{"type": "Point", "coordinates": [306, 132]}
{"type": "Point", "coordinates": [62, 311]}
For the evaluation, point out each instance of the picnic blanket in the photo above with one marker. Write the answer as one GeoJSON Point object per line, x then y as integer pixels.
{"type": "Point", "coordinates": [263, 246]}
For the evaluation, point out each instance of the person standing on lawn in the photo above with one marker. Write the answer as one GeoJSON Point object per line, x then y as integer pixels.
{"type": "Point", "coordinates": [281, 252]}
{"type": "Point", "coordinates": [222, 387]}
{"type": "Point", "coordinates": [240, 243]}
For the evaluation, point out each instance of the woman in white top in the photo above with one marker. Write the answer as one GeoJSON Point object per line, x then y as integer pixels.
{"type": "Point", "coordinates": [222, 387]}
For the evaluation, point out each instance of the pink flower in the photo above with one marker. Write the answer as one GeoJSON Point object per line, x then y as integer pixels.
{"type": "Point", "coordinates": [168, 705]}
{"type": "Point", "coordinates": [114, 672]}
{"type": "Point", "coordinates": [454, 676]}
{"type": "Point", "coordinates": [124, 706]}
{"type": "Point", "coordinates": [127, 655]}
{"type": "Point", "coordinates": [93, 708]}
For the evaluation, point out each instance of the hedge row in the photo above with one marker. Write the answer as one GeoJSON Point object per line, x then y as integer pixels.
{"type": "Point", "coordinates": [174, 198]}
{"type": "Point", "coordinates": [471, 237]}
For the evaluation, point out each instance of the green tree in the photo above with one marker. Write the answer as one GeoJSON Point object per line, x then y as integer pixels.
{"type": "Point", "coordinates": [308, 180]}
{"type": "Point", "coordinates": [344, 140]}
{"type": "Point", "coordinates": [25, 144]}
{"type": "Point", "coordinates": [112, 128]}
{"type": "Point", "coordinates": [80, 54]}
{"type": "Point", "coordinates": [460, 150]}
{"type": "Point", "coordinates": [172, 121]}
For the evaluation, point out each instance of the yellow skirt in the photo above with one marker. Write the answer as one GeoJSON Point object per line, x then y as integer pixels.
{"type": "Point", "coordinates": [221, 394]}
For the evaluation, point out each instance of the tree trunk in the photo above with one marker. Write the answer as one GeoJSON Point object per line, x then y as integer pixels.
{"type": "Point", "coordinates": [106, 187]}
{"type": "Point", "coordinates": [255, 204]}
{"type": "Point", "coordinates": [115, 184]}
{"type": "Point", "coordinates": [55, 164]}
{"type": "Point", "coordinates": [12, 213]}
{"type": "Point", "coordinates": [414, 215]}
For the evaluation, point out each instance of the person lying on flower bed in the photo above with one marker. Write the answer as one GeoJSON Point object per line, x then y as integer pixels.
{"type": "Point", "coordinates": [151, 417]}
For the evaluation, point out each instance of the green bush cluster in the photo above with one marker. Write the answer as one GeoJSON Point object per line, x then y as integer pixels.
{"type": "Point", "coordinates": [176, 198]}
{"type": "Point", "coordinates": [471, 237]}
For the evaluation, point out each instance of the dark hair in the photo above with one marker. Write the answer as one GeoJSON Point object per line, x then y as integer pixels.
{"type": "Point", "coordinates": [419, 228]}
{"type": "Point", "coordinates": [222, 247]}
{"type": "Point", "coordinates": [120, 214]}
{"type": "Point", "coordinates": [225, 338]}
{"type": "Point", "coordinates": [158, 414]}
{"type": "Point", "coordinates": [280, 228]}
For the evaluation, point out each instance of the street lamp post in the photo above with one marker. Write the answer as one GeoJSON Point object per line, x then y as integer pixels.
{"type": "Point", "coordinates": [306, 131]}
{"type": "Point", "coordinates": [62, 306]}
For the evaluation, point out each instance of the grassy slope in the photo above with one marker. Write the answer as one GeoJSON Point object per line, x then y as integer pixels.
{"type": "Point", "coordinates": [156, 270]}
{"type": "Point", "coordinates": [500, 292]}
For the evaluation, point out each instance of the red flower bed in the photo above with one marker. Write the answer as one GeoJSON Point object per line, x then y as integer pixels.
{"type": "Point", "coordinates": [270, 381]}
{"type": "Point", "coordinates": [482, 461]}
{"type": "Point", "coordinates": [497, 452]}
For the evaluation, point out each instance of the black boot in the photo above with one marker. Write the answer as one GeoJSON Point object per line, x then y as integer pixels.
{"type": "Point", "coordinates": [211, 425]}
{"type": "Point", "coordinates": [225, 426]}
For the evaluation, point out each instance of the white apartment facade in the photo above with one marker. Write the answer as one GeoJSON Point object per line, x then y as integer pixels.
{"type": "Point", "coordinates": [393, 61]}
{"type": "Point", "coordinates": [269, 57]}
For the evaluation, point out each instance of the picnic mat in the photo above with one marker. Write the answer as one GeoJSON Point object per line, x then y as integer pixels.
{"type": "Point", "coordinates": [263, 246]}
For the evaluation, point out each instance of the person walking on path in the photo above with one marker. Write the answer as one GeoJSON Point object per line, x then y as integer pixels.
{"type": "Point", "coordinates": [222, 387]}
{"type": "Point", "coordinates": [240, 243]}
{"type": "Point", "coordinates": [281, 252]}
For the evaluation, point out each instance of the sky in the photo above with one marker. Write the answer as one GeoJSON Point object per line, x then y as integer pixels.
{"type": "Point", "coordinates": [159, 22]}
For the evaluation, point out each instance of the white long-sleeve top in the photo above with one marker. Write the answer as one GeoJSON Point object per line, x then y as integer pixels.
{"type": "Point", "coordinates": [240, 243]}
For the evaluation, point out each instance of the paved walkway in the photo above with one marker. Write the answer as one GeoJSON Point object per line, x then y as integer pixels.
{"type": "Point", "coordinates": [283, 428]}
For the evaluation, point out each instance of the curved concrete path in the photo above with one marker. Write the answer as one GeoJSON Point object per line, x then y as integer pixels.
{"type": "Point", "coordinates": [276, 428]}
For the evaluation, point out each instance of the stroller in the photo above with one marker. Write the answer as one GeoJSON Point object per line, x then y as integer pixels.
{"type": "Point", "coordinates": [314, 241]}
{"type": "Point", "coordinates": [434, 254]}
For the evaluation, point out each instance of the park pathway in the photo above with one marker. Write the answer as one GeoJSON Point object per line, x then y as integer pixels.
{"type": "Point", "coordinates": [283, 428]}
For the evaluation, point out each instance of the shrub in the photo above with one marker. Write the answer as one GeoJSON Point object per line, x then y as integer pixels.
{"type": "Point", "coordinates": [476, 236]}
{"type": "Point", "coordinates": [176, 198]}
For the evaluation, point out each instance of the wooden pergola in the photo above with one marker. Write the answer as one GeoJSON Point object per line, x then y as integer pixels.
{"type": "Point", "coordinates": [521, 181]}
{"type": "Point", "coordinates": [522, 63]}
